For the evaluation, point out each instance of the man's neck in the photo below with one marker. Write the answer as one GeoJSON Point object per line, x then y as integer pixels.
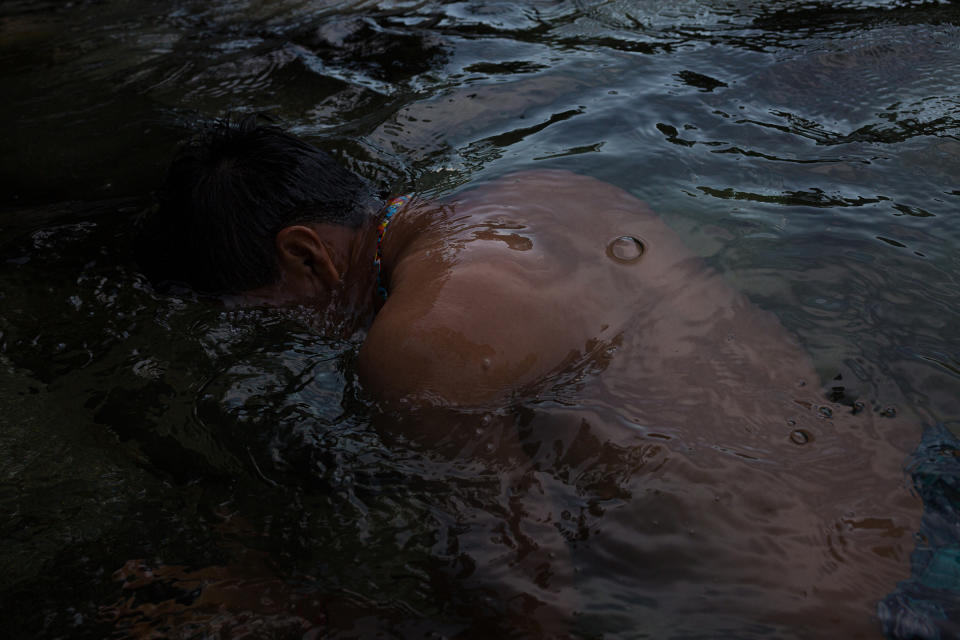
{"type": "Point", "coordinates": [410, 225]}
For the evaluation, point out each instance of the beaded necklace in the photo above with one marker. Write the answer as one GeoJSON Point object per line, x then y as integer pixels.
{"type": "Point", "coordinates": [392, 207]}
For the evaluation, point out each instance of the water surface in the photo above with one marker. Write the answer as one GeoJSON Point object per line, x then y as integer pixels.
{"type": "Point", "coordinates": [171, 466]}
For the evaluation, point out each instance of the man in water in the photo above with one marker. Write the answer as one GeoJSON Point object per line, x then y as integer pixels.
{"type": "Point", "coordinates": [472, 301]}
{"type": "Point", "coordinates": [545, 280]}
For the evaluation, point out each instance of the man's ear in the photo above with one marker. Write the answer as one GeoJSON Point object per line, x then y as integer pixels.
{"type": "Point", "coordinates": [304, 257]}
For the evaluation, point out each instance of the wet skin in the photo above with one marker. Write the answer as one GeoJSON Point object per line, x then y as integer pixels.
{"type": "Point", "coordinates": [496, 293]}
{"type": "Point", "coordinates": [513, 288]}
{"type": "Point", "coordinates": [516, 280]}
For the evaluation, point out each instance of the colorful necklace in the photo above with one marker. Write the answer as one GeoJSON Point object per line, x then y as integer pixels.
{"type": "Point", "coordinates": [392, 207]}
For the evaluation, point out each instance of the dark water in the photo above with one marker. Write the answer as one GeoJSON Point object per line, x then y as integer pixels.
{"type": "Point", "coordinates": [173, 468]}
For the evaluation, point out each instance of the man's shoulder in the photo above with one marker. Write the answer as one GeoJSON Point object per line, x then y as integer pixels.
{"type": "Point", "coordinates": [430, 358]}
{"type": "Point", "coordinates": [501, 293]}
{"type": "Point", "coordinates": [471, 337]}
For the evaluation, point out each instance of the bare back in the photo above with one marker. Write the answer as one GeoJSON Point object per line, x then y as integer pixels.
{"type": "Point", "coordinates": [518, 278]}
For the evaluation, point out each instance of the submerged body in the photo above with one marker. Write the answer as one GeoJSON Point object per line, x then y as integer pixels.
{"type": "Point", "coordinates": [532, 288]}
{"type": "Point", "coordinates": [620, 377]}
{"type": "Point", "coordinates": [518, 279]}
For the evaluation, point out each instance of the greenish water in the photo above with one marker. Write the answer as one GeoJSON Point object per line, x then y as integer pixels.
{"type": "Point", "coordinates": [809, 151]}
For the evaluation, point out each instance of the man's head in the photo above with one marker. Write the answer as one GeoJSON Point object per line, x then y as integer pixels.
{"type": "Point", "coordinates": [230, 191]}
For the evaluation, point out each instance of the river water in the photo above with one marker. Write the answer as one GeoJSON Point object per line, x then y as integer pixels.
{"type": "Point", "coordinates": [174, 469]}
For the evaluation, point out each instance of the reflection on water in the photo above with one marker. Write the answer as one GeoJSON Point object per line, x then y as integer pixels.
{"type": "Point", "coordinates": [176, 468]}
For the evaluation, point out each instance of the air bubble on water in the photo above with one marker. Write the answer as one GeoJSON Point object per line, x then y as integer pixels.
{"type": "Point", "coordinates": [799, 436]}
{"type": "Point", "coordinates": [889, 412]}
{"type": "Point", "coordinates": [826, 412]}
{"type": "Point", "coordinates": [625, 249]}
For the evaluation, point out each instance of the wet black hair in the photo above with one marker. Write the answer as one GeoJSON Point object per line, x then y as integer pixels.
{"type": "Point", "coordinates": [228, 192]}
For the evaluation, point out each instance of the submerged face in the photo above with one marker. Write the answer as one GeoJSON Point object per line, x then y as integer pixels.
{"type": "Point", "coordinates": [323, 267]}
